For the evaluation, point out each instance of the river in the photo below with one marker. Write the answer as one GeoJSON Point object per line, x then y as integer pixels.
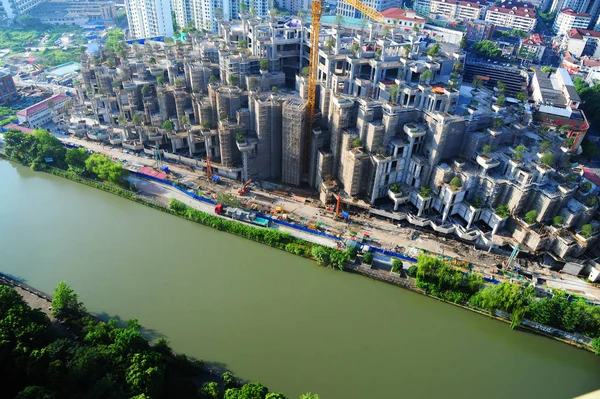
{"type": "Point", "coordinates": [265, 314]}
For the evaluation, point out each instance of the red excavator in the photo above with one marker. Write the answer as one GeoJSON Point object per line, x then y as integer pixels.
{"type": "Point", "coordinates": [245, 189]}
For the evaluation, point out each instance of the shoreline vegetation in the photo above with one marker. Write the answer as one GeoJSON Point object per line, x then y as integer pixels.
{"type": "Point", "coordinates": [566, 318]}
{"type": "Point", "coordinates": [76, 355]}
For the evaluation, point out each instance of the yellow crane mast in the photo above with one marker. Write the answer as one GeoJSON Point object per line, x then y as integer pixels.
{"type": "Point", "coordinates": [313, 64]}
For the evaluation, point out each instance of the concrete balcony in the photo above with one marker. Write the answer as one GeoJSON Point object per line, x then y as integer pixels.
{"type": "Point", "coordinates": [115, 140]}
{"type": "Point", "coordinates": [413, 131]}
{"type": "Point", "coordinates": [97, 136]}
{"type": "Point", "coordinates": [157, 137]}
{"type": "Point", "coordinates": [157, 71]}
{"type": "Point", "coordinates": [134, 145]}
{"type": "Point", "coordinates": [129, 86]}
{"type": "Point", "coordinates": [487, 162]}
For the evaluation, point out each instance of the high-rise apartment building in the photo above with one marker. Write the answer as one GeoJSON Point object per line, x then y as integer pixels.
{"type": "Point", "coordinates": [13, 8]}
{"type": "Point", "coordinates": [203, 14]}
{"type": "Point", "coordinates": [591, 7]}
{"type": "Point", "coordinates": [149, 18]}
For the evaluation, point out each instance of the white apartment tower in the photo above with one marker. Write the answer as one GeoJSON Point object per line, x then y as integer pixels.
{"type": "Point", "coordinates": [203, 13]}
{"type": "Point", "coordinates": [149, 18]}
{"type": "Point", "coordinates": [11, 9]}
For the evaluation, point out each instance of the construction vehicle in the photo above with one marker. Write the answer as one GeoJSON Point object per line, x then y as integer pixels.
{"type": "Point", "coordinates": [339, 210]}
{"type": "Point", "coordinates": [245, 189]}
{"type": "Point", "coordinates": [313, 64]}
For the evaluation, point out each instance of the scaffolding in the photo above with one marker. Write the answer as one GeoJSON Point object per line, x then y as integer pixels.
{"type": "Point", "coordinates": [293, 139]}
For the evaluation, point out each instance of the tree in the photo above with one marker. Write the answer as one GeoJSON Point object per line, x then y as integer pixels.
{"type": "Point", "coordinates": [152, 61]}
{"type": "Point", "coordinates": [548, 159]}
{"type": "Point", "coordinates": [587, 230]}
{"type": "Point", "coordinates": [339, 18]}
{"type": "Point", "coordinates": [356, 143]}
{"type": "Point", "coordinates": [587, 186]}
{"type": "Point", "coordinates": [426, 76]}
{"type": "Point", "coordinates": [309, 395]}
{"type": "Point", "coordinates": [500, 100]}
{"type": "Point", "coordinates": [243, 7]}
{"type": "Point", "coordinates": [425, 192]}
{"type": "Point", "coordinates": [501, 87]}
{"type": "Point", "coordinates": [502, 211]}
{"type": "Point", "coordinates": [589, 149]}
{"type": "Point", "coordinates": [264, 65]}
{"type": "Point", "coordinates": [137, 119]}
{"type": "Point", "coordinates": [105, 169]}
{"type": "Point", "coordinates": [160, 80]}
{"type": "Point", "coordinates": [275, 395]}
{"type": "Point", "coordinates": [434, 50]}
{"type": "Point", "coordinates": [520, 152]}
{"type": "Point", "coordinates": [396, 265]}
{"type": "Point", "coordinates": [146, 90]}
{"type": "Point", "coordinates": [321, 255]}
{"type": "Point", "coordinates": [378, 53]}
{"type": "Point", "coordinates": [486, 49]}
{"type": "Point", "coordinates": [545, 145]}
{"type": "Point", "coordinates": [486, 149]}
{"type": "Point", "coordinates": [368, 258]}
{"type": "Point", "coordinates": [305, 71]}
{"type": "Point", "coordinates": [407, 49]}
{"type": "Point", "coordinates": [242, 44]}
{"type": "Point", "coordinates": [212, 79]}
{"type": "Point", "coordinates": [229, 200]}
{"type": "Point", "coordinates": [477, 83]}
{"type": "Point", "coordinates": [355, 49]}
{"type": "Point", "coordinates": [210, 390]}
{"type": "Point", "coordinates": [168, 125]}
{"type": "Point", "coordinates": [394, 93]}
{"type": "Point", "coordinates": [497, 123]}
{"type": "Point", "coordinates": [233, 80]}
{"type": "Point", "coordinates": [456, 183]}
{"type": "Point", "coordinates": [463, 43]}
{"type": "Point", "coordinates": [75, 159]}
{"type": "Point", "coordinates": [531, 216]}
{"type": "Point", "coordinates": [558, 221]}
{"type": "Point", "coordinates": [521, 96]}
{"type": "Point", "coordinates": [547, 69]}
{"type": "Point", "coordinates": [66, 305]}
{"type": "Point", "coordinates": [274, 89]}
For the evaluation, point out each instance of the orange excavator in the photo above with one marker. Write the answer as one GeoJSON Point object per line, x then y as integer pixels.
{"type": "Point", "coordinates": [245, 189]}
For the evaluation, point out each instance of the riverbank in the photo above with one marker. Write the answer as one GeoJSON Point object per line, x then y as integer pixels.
{"type": "Point", "coordinates": [280, 241]}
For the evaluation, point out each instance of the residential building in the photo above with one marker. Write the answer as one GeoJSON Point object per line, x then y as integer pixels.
{"type": "Point", "coordinates": [74, 12]}
{"type": "Point", "coordinates": [580, 42]}
{"type": "Point", "coordinates": [405, 19]}
{"type": "Point", "coordinates": [292, 6]}
{"type": "Point", "coordinates": [457, 9]}
{"type": "Point", "coordinates": [521, 18]}
{"type": "Point", "coordinates": [478, 30]}
{"type": "Point", "coordinates": [532, 48]}
{"type": "Point", "coordinates": [347, 10]}
{"type": "Point", "coordinates": [591, 7]}
{"type": "Point", "coordinates": [149, 18]}
{"type": "Point", "coordinates": [422, 7]}
{"type": "Point", "coordinates": [8, 90]}
{"type": "Point", "coordinates": [568, 19]}
{"type": "Point", "coordinates": [184, 12]}
{"type": "Point", "coordinates": [201, 13]}
{"type": "Point", "coordinates": [43, 112]}
{"type": "Point", "coordinates": [10, 9]}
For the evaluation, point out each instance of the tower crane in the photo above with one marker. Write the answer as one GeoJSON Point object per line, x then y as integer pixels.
{"type": "Point", "coordinates": [313, 64]}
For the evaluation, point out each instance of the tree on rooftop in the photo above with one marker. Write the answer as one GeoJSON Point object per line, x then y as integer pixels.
{"type": "Point", "coordinates": [545, 145]}
{"type": "Point", "coordinates": [243, 6]}
{"type": "Point", "coordinates": [456, 183]}
{"type": "Point", "coordinates": [152, 60]}
{"type": "Point", "coordinates": [146, 90]}
{"type": "Point", "coordinates": [558, 221]}
{"type": "Point", "coordinates": [587, 230]}
{"type": "Point", "coordinates": [547, 69]}
{"type": "Point", "coordinates": [425, 192]}
{"type": "Point", "coordinates": [548, 159]}
{"type": "Point", "coordinates": [274, 89]}
{"type": "Point", "coordinates": [591, 201]}
{"type": "Point", "coordinates": [218, 12]}
{"type": "Point", "coordinates": [137, 119]}
{"type": "Point", "coordinates": [497, 123]}
{"type": "Point", "coordinates": [520, 152]}
{"type": "Point", "coordinates": [474, 103]}
{"type": "Point", "coordinates": [587, 186]}
{"type": "Point", "coordinates": [356, 143]}
{"type": "Point", "coordinates": [521, 96]}
{"type": "Point", "coordinates": [212, 79]}
{"type": "Point", "coordinates": [434, 50]}
{"type": "Point", "coordinates": [233, 80]}
{"type": "Point", "coordinates": [486, 49]}
{"type": "Point", "coordinates": [395, 187]}
{"type": "Point", "coordinates": [378, 53]}
{"type": "Point", "coordinates": [477, 203]}
{"type": "Point", "coordinates": [407, 49]}
{"type": "Point", "coordinates": [486, 149]}
{"type": "Point", "coordinates": [500, 86]}
{"type": "Point", "coordinates": [477, 83]}
{"type": "Point", "coordinates": [463, 43]}
{"type": "Point", "coordinates": [329, 43]}
{"type": "Point", "coordinates": [339, 18]}
{"type": "Point", "coordinates": [502, 211]}
{"type": "Point", "coordinates": [264, 65]}
{"type": "Point", "coordinates": [531, 216]}
{"type": "Point", "coordinates": [500, 100]}
{"type": "Point", "coordinates": [168, 125]}
{"type": "Point", "coordinates": [394, 93]}
{"type": "Point", "coordinates": [355, 49]}
{"type": "Point", "coordinates": [426, 76]}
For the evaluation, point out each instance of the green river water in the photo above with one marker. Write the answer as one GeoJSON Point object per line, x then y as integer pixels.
{"type": "Point", "coordinates": [265, 314]}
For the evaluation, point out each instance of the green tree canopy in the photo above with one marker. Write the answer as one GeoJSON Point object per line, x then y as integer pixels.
{"type": "Point", "coordinates": [66, 305]}
{"type": "Point", "coordinates": [531, 216]}
{"type": "Point", "coordinates": [486, 49]}
{"type": "Point", "coordinates": [105, 169]}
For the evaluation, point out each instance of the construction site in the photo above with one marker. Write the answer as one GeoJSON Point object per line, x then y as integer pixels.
{"type": "Point", "coordinates": [364, 120]}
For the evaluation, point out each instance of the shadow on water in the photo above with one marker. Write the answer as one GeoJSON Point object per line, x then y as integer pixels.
{"type": "Point", "coordinates": [14, 277]}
